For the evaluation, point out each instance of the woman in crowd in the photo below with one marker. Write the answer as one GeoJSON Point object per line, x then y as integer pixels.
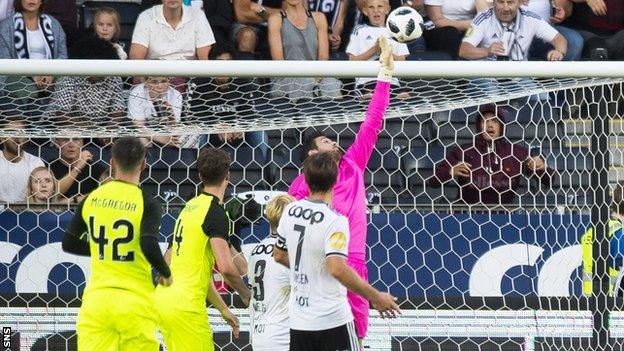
{"type": "Point", "coordinates": [30, 34]}
{"type": "Point", "coordinates": [298, 34]}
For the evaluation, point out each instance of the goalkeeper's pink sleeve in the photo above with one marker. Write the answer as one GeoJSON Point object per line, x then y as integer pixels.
{"type": "Point", "coordinates": [362, 148]}
{"type": "Point", "coordinates": [349, 191]}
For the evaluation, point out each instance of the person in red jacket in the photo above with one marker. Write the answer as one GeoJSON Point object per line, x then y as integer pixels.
{"type": "Point", "coordinates": [489, 170]}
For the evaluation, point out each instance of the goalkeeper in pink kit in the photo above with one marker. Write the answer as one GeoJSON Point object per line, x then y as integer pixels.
{"type": "Point", "coordinates": [349, 192]}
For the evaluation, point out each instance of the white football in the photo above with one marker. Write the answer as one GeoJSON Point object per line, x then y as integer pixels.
{"type": "Point", "coordinates": [404, 24]}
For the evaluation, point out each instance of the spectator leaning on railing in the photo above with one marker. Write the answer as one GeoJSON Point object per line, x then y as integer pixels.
{"type": "Point", "coordinates": [488, 170]}
{"type": "Point", "coordinates": [16, 165]}
{"type": "Point", "coordinates": [30, 34]}
{"type": "Point", "coordinates": [506, 32]}
{"type": "Point", "coordinates": [156, 103]}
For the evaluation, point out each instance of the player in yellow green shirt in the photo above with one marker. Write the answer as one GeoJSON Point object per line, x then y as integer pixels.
{"type": "Point", "coordinates": [121, 224]}
{"type": "Point", "coordinates": [200, 240]}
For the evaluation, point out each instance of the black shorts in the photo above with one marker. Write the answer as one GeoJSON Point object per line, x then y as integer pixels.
{"type": "Point", "coordinates": [342, 338]}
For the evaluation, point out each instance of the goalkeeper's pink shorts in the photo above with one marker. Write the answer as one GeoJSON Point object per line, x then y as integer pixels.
{"type": "Point", "coordinates": [359, 305]}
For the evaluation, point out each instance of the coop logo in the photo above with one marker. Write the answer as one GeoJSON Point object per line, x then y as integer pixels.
{"type": "Point", "coordinates": [307, 214]}
{"type": "Point", "coordinates": [262, 249]}
{"type": "Point", "coordinates": [487, 275]}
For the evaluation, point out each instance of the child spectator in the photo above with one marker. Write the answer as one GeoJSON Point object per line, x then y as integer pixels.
{"type": "Point", "coordinates": [364, 44]}
{"type": "Point", "coordinates": [298, 34]}
{"type": "Point", "coordinates": [42, 186]}
{"type": "Point", "coordinates": [156, 103]}
{"type": "Point", "coordinates": [106, 25]}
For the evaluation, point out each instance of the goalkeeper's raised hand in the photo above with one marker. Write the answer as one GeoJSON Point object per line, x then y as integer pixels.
{"type": "Point", "coordinates": [386, 60]}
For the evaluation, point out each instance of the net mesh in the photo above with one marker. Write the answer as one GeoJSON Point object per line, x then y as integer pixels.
{"type": "Point", "coordinates": [114, 106]}
{"type": "Point", "coordinates": [487, 259]}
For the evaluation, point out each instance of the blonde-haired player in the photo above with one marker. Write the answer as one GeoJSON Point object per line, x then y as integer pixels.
{"type": "Point", "coordinates": [270, 283]}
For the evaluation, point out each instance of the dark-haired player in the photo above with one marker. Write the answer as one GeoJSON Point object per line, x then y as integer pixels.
{"type": "Point", "coordinates": [313, 240]}
{"type": "Point", "coordinates": [122, 225]}
{"type": "Point", "coordinates": [200, 239]}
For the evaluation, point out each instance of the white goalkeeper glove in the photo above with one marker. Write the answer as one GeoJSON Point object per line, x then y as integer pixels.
{"type": "Point", "coordinates": [386, 60]}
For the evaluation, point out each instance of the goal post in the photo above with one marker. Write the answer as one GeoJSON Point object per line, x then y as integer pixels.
{"type": "Point", "coordinates": [502, 271]}
{"type": "Point", "coordinates": [236, 68]}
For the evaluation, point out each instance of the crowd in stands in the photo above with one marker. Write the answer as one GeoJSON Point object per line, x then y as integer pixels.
{"type": "Point", "coordinates": [515, 30]}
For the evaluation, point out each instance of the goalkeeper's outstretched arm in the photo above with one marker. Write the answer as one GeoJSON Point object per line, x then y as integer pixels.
{"type": "Point", "coordinates": [362, 148]}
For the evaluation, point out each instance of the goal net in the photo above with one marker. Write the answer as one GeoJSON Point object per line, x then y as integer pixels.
{"type": "Point", "coordinates": [476, 223]}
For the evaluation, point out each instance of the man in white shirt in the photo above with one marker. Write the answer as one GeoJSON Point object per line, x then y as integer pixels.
{"type": "Point", "coordinates": [505, 32]}
{"type": "Point", "coordinates": [313, 241]}
{"type": "Point", "coordinates": [171, 32]}
{"type": "Point", "coordinates": [15, 164]}
{"type": "Point", "coordinates": [270, 283]}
